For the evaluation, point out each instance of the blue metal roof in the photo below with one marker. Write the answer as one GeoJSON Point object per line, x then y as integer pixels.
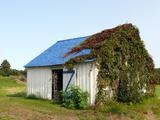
{"type": "Point", "coordinates": [55, 54]}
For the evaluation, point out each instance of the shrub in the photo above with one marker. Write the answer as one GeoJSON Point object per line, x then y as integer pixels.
{"type": "Point", "coordinates": [14, 72]}
{"type": "Point", "coordinates": [20, 94]}
{"type": "Point", "coordinates": [32, 96]}
{"type": "Point", "coordinates": [22, 78]}
{"type": "Point", "coordinates": [75, 98]}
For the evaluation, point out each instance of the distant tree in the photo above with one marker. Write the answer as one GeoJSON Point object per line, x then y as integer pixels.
{"type": "Point", "coordinates": [158, 70]}
{"type": "Point", "coordinates": [23, 72]}
{"type": "Point", "coordinates": [14, 72]}
{"type": "Point", "coordinates": [157, 76]}
{"type": "Point", "coordinates": [5, 69]}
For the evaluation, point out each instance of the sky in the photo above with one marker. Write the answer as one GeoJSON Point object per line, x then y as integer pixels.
{"type": "Point", "coordinates": [28, 27]}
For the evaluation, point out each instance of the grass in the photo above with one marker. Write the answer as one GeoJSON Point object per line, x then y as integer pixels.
{"type": "Point", "coordinates": [15, 106]}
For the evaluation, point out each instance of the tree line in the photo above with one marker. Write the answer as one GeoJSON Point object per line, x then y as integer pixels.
{"type": "Point", "coordinates": [6, 70]}
{"type": "Point", "coordinates": [157, 75]}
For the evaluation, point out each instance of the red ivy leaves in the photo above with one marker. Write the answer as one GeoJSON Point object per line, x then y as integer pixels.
{"type": "Point", "coordinates": [95, 41]}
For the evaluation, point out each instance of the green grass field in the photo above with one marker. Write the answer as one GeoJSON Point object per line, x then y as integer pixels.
{"type": "Point", "coordinates": [15, 106]}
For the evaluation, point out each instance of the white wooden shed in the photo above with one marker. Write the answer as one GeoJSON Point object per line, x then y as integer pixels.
{"type": "Point", "coordinates": [46, 74]}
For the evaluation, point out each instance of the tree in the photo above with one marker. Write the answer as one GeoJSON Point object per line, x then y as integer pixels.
{"type": "Point", "coordinates": [5, 69]}
{"type": "Point", "coordinates": [157, 76]}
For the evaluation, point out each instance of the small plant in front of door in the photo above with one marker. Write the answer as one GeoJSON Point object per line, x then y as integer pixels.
{"type": "Point", "coordinates": [75, 98]}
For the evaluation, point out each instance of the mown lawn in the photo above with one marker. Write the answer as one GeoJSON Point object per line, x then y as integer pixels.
{"type": "Point", "coordinates": [15, 106]}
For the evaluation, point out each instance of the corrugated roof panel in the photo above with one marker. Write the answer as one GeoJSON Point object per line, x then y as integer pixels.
{"type": "Point", "coordinates": [55, 54]}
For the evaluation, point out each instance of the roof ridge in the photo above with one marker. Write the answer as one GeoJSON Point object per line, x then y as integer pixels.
{"type": "Point", "coordinates": [72, 38]}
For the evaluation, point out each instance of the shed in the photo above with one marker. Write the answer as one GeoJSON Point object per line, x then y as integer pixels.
{"type": "Point", "coordinates": [47, 75]}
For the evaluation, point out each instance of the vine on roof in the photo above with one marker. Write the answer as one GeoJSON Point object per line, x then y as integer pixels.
{"type": "Point", "coordinates": [125, 66]}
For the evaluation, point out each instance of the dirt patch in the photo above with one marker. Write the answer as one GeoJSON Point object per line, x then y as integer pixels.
{"type": "Point", "coordinates": [150, 116]}
{"type": "Point", "coordinates": [19, 113]}
{"type": "Point", "coordinates": [93, 115]}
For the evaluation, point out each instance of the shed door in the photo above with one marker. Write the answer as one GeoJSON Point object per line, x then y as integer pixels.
{"type": "Point", "coordinates": [57, 84]}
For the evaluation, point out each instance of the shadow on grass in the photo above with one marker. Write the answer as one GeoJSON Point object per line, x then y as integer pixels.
{"type": "Point", "coordinates": [19, 94]}
{"type": "Point", "coordinates": [32, 97]}
{"type": "Point", "coordinates": [24, 95]}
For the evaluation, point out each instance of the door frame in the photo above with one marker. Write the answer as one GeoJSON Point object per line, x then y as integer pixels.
{"type": "Point", "coordinates": [55, 83]}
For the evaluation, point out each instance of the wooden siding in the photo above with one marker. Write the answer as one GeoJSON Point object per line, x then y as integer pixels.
{"type": "Point", "coordinates": [39, 82]}
{"type": "Point", "coordinates": [85, 77]}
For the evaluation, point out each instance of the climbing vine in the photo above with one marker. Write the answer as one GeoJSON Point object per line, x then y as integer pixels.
{"type": "Point", "coordinates": [125, 67]}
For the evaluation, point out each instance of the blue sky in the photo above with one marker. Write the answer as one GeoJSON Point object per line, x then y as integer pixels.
{"type": "Point", "coordinates": [28, 27]}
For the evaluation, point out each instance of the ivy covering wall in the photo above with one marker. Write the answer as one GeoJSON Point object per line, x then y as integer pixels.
{"type": "Point", "coordinates": [125, 66]}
